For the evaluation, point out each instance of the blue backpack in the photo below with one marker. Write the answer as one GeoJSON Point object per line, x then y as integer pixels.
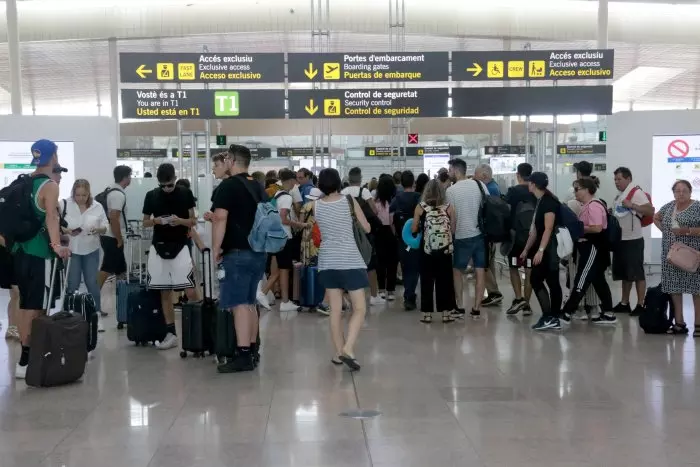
{"type": "Point", "coordinates": [267, 234]}
{"type": "Point", "coordinates": [568, 219]}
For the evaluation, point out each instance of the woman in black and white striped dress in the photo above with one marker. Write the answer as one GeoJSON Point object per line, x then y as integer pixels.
{"type": "Point", "coordinates": [340, 264]}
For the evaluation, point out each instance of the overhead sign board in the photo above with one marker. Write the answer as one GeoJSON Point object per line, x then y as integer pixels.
{"type": "Point", "coordinates": [202, 103]}
{"type": "Point", "coordinates": [412, 151]}
{"type": "Point", "coordinates": [256, 153]}
{"type": "Point", "coordinates": [378, 67]}
{"type": "Point", "coordinates": [141, 153]}
{"type": "Point", "coordinates": [368, 103]}
{"type": "Point", "coordinates": [300, 152]}
{"type": "Point", "coordinates": [536, 100]}
{"type": "Point", "coordinates": [506, 149]}
{"type": "Point", "coordinates": [201, 68]}
{"type": "Point", "coordinates": [507, 65]}
{"type": "Point", "coordinates": [580, 149]}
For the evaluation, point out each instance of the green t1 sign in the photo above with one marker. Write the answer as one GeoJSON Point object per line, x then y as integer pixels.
{"type": "Point", "coordinates": [221, 140]}
{"type": "Point", "coordinates": [226, 104]}
{"type": "Point", "coordinates": [603, 136]}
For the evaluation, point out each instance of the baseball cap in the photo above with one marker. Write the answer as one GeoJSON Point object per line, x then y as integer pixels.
{"type": "Point", "coordinates": [540, 179]}
{"type": "Point", "coordinates": [584, 167]}
{"type": "Point", "coordinates": [314, 194]}
{"type": "Point", "coordinates": [42, 152]}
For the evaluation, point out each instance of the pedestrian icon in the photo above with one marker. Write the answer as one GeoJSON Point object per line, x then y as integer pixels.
{"type": "Point", "coordinates": [166, 71]}
{"type": "Point", "coordinates": [494, 69]}
{"type": "Point", "coordinates": [331, 107]}
{"type": "Point", "coordinates": [536, 69]}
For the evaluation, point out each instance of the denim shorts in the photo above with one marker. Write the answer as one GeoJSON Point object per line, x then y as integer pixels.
{"type": "Point", "coordinates": [244, 269]}
{"type": "Point", "coordinates": [469, 249]}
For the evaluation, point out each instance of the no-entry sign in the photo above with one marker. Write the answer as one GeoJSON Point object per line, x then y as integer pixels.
{"type": "Point", "coordinates": [678, 148]}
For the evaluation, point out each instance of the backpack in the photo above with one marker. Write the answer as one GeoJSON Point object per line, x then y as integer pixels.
{"type": "Point", "coordinates": [102, 199]}
{"type": "Point", "coordinates": [267, 235]}
{"type": "Point", "coordinates": [494, 217]}
{"type": "Point", "coordinates": [645, 220]}
{"type": "Point", "coordinates": [655, 318]}
{"type": "Point", "coordinates": [277, 194]}
{"type": "Point", "coordinates": [570, 221]}
{"type": "Point", "coordinates": [437, 230]}
{"type": "Point", "coordinates": [613, 234]}
{"type": "Point", "coordinates": [524, 213]}
{"type": "Point", "coordinates": [20, 223]}
{"type": "Point", "coordinates": [371, 217]}
{"type": "Point", "coordinates": [401, 216]}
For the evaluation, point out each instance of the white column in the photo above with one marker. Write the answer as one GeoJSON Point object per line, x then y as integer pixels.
{"type": "Point", "coordinates": [15, 64]}
{"type": "Point", "coordinates": [602, 24]}
{"type": "Point", "coordinates": [114, 82]}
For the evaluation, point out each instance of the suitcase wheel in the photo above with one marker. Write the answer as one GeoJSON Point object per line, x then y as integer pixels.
{"type": "Point", "coordinates": [183, 354]}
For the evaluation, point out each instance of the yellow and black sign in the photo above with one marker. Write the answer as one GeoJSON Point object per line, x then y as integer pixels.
{"type": "Point", "coordinates": [367, 103]}
{"type": "Point", "coordinates": [532, 64]}
{"type": "Point", "coordinates": [363, 66]}
{"type": "Point", "coordinates": [201, 68]}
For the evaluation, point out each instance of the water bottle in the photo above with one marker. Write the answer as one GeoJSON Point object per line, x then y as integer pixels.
{"type": "Point", "coordinates": [220, 272]}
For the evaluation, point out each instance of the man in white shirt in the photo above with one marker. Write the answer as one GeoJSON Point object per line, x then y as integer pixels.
{"type": "Point", "coordinates": [469, 243]}
{"type": "Point", "coordinates": [631, 204]}
{"type": "Point", "coordinates": [355, 189]}
{"type": "Point", "coordinates": [113, 261]}
{"type": "Point", "coordinates": [285, 258]}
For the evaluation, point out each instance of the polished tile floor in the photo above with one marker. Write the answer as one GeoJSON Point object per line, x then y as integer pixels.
{"type": "Point", "coordinates": [487, 393]}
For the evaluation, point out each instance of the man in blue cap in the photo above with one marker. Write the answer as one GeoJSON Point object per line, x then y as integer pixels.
{"type": "Point", "coordinates": [34, 257]}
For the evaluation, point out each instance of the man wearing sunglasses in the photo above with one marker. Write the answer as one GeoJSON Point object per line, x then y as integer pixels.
{"type": "Point", "coordinates": [169, 209]}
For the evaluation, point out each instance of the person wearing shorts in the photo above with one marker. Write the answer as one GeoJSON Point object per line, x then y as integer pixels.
{"type": "Point", "coordinates": [112, 243]}
{"type": "Point", "coordinates": [234, 207]}
{"type": "Point", "coordinates": [169, 209]}
{"type": "Point", "coordinates": [8, 282]}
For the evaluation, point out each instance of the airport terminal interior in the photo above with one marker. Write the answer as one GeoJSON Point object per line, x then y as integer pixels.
{"type": "Point", "coordinates": [569, 88]}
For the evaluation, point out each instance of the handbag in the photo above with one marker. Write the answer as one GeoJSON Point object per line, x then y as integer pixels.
{"type": "Point", "coordinates": [683, 257]}
{"type": "Point", "coordinates": [363, 243]}
{"type": "Point", "coordinates": [168, 250]}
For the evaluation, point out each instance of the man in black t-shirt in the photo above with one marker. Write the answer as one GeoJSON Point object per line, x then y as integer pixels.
{"type": "Point", "coordinates": [169, 209]}
{"type": "Point", "coordinates": [235, 205]}
{"type": "Point", "coordinates": [402, 208]}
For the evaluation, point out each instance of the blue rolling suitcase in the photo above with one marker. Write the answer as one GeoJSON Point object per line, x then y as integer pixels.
{"type": "Point", "coordinates": [311, 290]}
{"type": "Point", "coordinates": [132, 283]}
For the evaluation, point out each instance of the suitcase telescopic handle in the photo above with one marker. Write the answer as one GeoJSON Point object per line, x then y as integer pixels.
{"type": "Point", "coordinates": [52, 284]}
{"type": "Point", "coordinates": [207, 288]}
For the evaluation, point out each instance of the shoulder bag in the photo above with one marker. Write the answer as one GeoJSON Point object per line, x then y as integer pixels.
{"type": "Point", "coordinates": [363, 243]}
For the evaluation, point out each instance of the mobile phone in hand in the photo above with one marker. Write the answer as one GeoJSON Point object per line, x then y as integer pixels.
{"type": "Point", "coordinates": [76, 231]}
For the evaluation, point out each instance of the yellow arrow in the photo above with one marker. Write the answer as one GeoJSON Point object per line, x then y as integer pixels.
{"type": "Point", "coordinates": [311, 72]}
{"type": "Point", "coordinates": [476, 69]}
{"type": "Point", "coordinates": [142, 71]}
{"type": "Point", "coordinates": [311, 108]}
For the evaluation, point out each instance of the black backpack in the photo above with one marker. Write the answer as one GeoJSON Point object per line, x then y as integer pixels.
{"type": "Point", "coordinates": [19, 221]}
{"type": "Point", "coordinates": [404, 212]}
{"type": "Point", "coordinates": [655, 319]}
{"type": "Point", "coordinates": [524, 212]}
{"type": "Point", "coordinates": [494, 217]}
{"type": "Point", "coordinates": [371, 217]}
{"type": "Point", "coordinates": [102, 199]}
{"type": "Point", "coordinates": [613, 234]}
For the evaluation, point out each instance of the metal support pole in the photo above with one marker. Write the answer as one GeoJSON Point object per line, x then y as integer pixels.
{"type": "Point", "coordinates": [555, 138]}
{"type": "Point", "coordinates": [180, 151]}
{"type": "Point", "coordinates": [602, 24]}
{"type": "Point", "coordinates": [14, 55]}
{"type": "Point", "coordinates": [193, 162]}
{"type": "Point", "coordinates": [113, 53]}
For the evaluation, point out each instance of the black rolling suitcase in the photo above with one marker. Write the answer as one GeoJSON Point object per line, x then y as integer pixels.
{"type": "Point", "coordinates": [58, 353]}
{"type": "Point", "coordinates": [83, 304]}
{"type": "Point", "coordinates": [225, 342]}
{"type": "Point", "coordinates": [198, 317]}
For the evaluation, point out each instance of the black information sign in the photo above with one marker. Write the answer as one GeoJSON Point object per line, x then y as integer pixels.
{"type": "Point", "coordinates": [256, 153]}
{"type": "Point", "coordinates": [300, 152]}
{"type": "Point", "coordinates": [141, 153]}
{"type": "Point", "coordinates": [506, 149]}
{"type": "Point", "coordinates": [367, 66]}
{"type": "Point", "coordinates": [500, 65]}
{"type": "Point", "coordinates": [539, 100]}
{"type": "Point", "coordinates": [580, 149]}
{"type": "Point", "coordinates": [602, 167]}
{"type": "Point", "coordinates": [368, 103]}
{"type": "Point", "coordinates": [201, 68]}
{"type": "Point", "coordinates": [412, 151]}
{"type": "Point", "coordinates": [202, 103]}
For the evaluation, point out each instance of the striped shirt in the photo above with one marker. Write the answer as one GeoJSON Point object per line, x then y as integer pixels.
{"type": "Point", "coordinates": [466, 198]}
{"type": "Point", "coordinates": [338, 248]}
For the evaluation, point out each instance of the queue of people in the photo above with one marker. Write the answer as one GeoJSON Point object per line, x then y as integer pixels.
{"type": "Point", "coordinates": [355, 236]}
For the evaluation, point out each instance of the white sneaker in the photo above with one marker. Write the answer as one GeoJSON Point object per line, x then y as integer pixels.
{"type": "Point", "coordinates": [270, 298]}
{"type": "Point", "coordinates": [288, 307]}
{"type": "Point", "coordinates": [169, 342]}
{"type": "Point", "coordinates": [12, 333]}
{"type": "Point", "coordinates": [390, 296]}
{"type": "Point", "coordinates": [581, 315]}
{"type": "Point", "coordinates": [20, 371]}
{"type": "Point", "coordinates": [262, 300]}
{"type": "Point", "coordinates": [100, 325]}
{"type": "Point", "coordinates": [377, 301]}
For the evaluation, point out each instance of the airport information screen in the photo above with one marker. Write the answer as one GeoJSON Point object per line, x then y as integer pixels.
{"type": "Point", "coordinates": [674, 157]}
{"type": "Point", "coordinates": [16, 156]}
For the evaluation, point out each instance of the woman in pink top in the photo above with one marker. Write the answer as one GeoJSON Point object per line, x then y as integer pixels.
{"type": "Point", "coordinates": [594, 257]}
{"type": "Point", "coordinates": [386, 244]}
